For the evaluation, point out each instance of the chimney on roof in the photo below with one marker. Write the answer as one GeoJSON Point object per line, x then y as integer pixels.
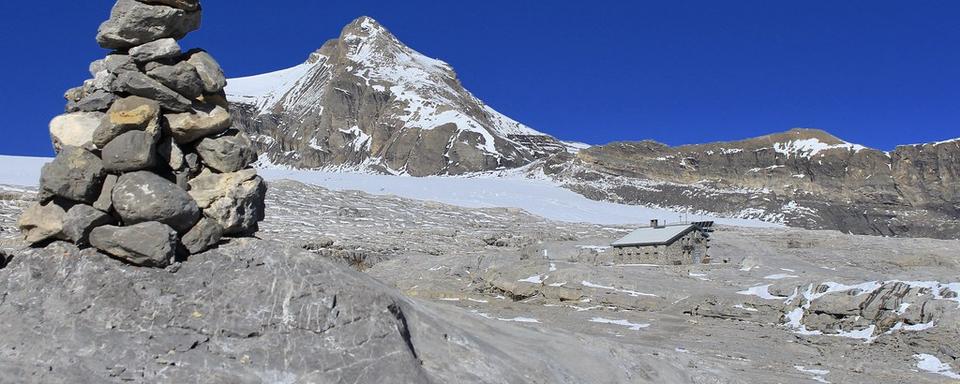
{"type": "Point", "coordinates": [654, 223]}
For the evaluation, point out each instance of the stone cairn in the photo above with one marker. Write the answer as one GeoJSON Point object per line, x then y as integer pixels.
{"type": "Point", "coordinates": [148, 167]}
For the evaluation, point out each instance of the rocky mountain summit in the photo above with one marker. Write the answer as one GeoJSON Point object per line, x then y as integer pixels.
{"type": "Point", "coordinates": [804, 178]}
{"type": "Point", "coordinates": [366, 100]}
{"type": "Point", "coordinates": [147, 165]}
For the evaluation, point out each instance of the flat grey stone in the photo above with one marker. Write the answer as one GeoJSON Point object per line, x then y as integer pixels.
{"type": "Point", "coordinates": [149, 244]}
{"type": "Point", "coordinates": [133, 23]}
{"type": "Point", "coordinates": [139, 84]}
{"type": "Point", "coordinates": [155, 50]}
{"type": "Point", "coordinates": [99, 100]}
{"type": "Point", "coordinates": [131, 151]}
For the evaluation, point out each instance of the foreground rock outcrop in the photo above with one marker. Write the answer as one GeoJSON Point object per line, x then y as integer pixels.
{"type": "Point", "coordinates": [255, 311]}
{"type": "Point", "coordinates": [135, 140]}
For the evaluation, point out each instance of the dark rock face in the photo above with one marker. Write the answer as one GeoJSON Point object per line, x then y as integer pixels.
{"type": "Point", "coordinates": [805, 178]}
{"type": "Point", "coordinates": [143, 196]}
{"type": "Point", "coordinates": [349, 109]}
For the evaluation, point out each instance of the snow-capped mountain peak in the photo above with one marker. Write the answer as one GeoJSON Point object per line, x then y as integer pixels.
{"type": "Point", "coordinates": [410, 109]}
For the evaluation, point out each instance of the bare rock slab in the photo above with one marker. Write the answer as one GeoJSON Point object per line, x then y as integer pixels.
{"type": "Point", "coordinates": [149, 244]}
{"type": "Point", "coordinates": [134, 23]}
{"type": "Point", "coordinates": [143, 196]}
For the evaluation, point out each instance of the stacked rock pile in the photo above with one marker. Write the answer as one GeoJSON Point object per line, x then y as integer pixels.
{"type": "Point", "coordinates": [147, 164]}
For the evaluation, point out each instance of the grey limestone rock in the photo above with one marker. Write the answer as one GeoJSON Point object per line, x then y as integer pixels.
{"type": "Point", "coordinates": [133, 23]}
{"type": "Point", "coordinates": [234, 200]}
{"type": "Point", "coordinates": [187, 5]}
{"type": "Point", "coordinates": [128, 114]}
{"type": "Point", "coordinates": [143, 196]}
{"type": "Point", "coordinates": [74, 129]}
{"type": "Point", "coordinates": [209, 70]}
{"type": "Point", "coordinates": [149, 244]}
{"type": "Point", "coordinates": [181, 77]}
{"type": "Point", "coordinates": [41, 222]}
{"type": "Point", "coordinates": [75, 174]}
{"type": "Point", "coordinates": [139, 84]}
{"type": "Point", "coordinates": [105, 200]}
{"type": "Point", "coordinates": [80, 220]}
{"type": "Point", "coordinates": [202, 236]}
{"type": "Point", "coordinates": [99, 100]}
{"type": "Point", "coordinates": [200, 123]}
{"type": "Point", "coordinates": [155, 50]}
{"type": "Point", "coordinates": [131, 151]}
{"type": "Point", "coordinates": [171, 153]}
{"type": "Point", "coordinates": [227, 153]}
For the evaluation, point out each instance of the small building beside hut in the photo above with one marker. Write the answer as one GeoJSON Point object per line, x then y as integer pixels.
{"type": "Point", "coordinates": [678, 244]}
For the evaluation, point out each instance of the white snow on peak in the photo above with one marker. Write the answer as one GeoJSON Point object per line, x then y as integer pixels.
{"type": "Point", "coordinates": [811, 147]}
{"type": "Point", "coordinates": [427, 88]}
{"type": "Point", "coordinates": [266, 90]}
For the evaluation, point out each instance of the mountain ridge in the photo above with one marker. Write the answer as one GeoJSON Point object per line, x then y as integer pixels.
{"type": "Point", "coordinates": [366, 102]}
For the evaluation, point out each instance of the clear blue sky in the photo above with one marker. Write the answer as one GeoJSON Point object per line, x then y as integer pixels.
{"type": "Point", "coordinates": [875, 72]}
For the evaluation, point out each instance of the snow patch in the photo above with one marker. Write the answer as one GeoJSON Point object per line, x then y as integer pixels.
{"type": "Point", "coordinates": [761, 291]}
{"type": "Point", "coordinates": [625, 323]}
{"type": "Point", "coordinates": [629, 292]}
{"type": "Point", "coordinates": [930, 363]}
